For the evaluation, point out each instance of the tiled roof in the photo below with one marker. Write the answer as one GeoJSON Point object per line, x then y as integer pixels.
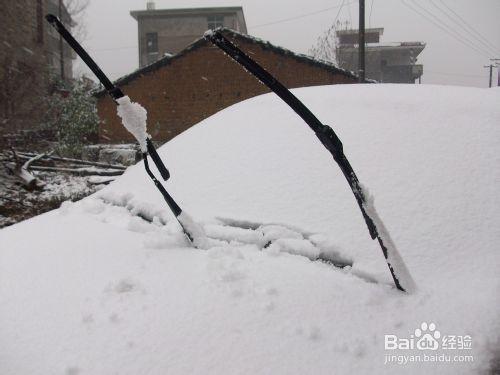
{"type": "Point", "coordinates": [236, 35]}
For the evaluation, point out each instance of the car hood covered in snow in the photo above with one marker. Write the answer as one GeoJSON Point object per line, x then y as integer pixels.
{"type": "Point", "coordinates": [110, 285]}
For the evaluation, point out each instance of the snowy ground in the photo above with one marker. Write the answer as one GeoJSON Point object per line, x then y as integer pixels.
{"type": "Point", "coordinates": [109, 284]}
{"type": "Point", "coordinates": [17, 203]}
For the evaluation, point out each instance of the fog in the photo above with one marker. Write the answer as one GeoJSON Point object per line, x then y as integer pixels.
{"type": "Point", "coordinates": [111, 33]}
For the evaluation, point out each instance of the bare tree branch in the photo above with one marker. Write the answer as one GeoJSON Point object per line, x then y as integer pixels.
{"type": "Point", "coordinates": [35, 158]}
{"type": "Point", "coordinates": [77, 8]}
{"type": "Point", "coordinates": [29, 181]}
{"type": "Point", "coordinates": [326, 47]}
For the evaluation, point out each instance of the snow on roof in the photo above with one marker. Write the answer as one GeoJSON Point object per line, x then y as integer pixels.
{"type": "Point", "coordinates": [110, 285]}
{"type": "Point", "coordinates": [167, 60]}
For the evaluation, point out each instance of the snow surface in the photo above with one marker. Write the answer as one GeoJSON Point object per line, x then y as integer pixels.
{"type": "Point", "coordinates": [109, 284]}
{"type": "Point", "coordinates": [194, 229]}
{"type": "Point", "coordinates": [394, 259]}
{"type": "Point", "coordinates": [134, 118]}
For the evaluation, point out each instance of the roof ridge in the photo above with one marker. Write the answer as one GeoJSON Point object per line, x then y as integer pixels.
{"type": "Point", "coordinates": [166, 60]}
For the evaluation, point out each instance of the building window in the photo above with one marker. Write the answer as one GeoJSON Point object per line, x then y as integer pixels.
{"type": "Point", "coordinates": [215, 22]}
{"type": "Point", "coordinates": [152, 42]}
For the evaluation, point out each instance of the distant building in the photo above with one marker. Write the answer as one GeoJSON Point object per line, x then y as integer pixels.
{"type": "Point", "coordinates": [391, 63]}
{"type": "Point", "coordinates": [181, 90]}
{"type": "Point", "coordinates": [168, 31]}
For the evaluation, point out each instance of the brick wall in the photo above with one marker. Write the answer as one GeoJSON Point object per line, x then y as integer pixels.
{"type": "Point", "coordinates": [27, 46]}
{"type": "Point", "coordinates": [203, 81]}
{"type": "Point", "coordinates": [22, 64]}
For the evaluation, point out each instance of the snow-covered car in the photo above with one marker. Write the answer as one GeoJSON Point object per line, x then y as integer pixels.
{"type": "Point", "coordinates": [110, 284]}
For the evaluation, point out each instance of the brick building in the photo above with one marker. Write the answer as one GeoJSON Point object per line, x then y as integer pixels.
{"type": "Point", "coordinates": [29, 48]}
{"type": "Point", "coordinates": [181, 90]}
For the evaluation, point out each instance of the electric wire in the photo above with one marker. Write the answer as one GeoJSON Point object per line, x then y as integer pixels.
{"type": "Point", "coordinates": [480, 40]}
{"type": "Point", "coordinates": [469, 26]}
{"type": "Point", "coordinates": [443, 29]}
{"type": "Point", "coordinates": [449, 28]}
{"type": "Point", "coordinates": [299, 16]}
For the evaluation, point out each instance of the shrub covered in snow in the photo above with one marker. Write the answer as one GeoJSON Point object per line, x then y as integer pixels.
{"type": "Point", "coordinates": [72, 115]}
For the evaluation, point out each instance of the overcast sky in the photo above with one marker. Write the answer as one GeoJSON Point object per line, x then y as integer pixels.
{"type": "Point", "coordinates": [111, 35]}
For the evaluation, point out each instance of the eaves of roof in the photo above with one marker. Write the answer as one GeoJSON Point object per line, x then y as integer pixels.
{"type": "Point", "coordinates": [167, 60]}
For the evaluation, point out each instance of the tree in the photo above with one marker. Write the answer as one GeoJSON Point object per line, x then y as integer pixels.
{"type": "Point", "coordinates": [72, 115]}
{"type": "Point", "coordinates": [326, 47]}
{"type": "Point", "coordinates": [76, 9]}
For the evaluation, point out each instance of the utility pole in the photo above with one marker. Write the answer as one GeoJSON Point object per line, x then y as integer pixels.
{"type": "Point", "coordinates": [361, 42]}
{"type": "Point", "coordinates": [491, 72]}
{"type": "Point", "coordinates": [498, 70]}
{"type": "Point", "coordinates": [61, 42]}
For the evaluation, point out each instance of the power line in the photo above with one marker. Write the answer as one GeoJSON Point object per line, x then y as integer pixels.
{"type": "Point", "coordinates": [338, 13]}
{"type": "Point", "coordinates": [340, 6]}
{"type": "Point", "coordinates": [300, 16]}
{"type": "Point", "coordinates": [334, 25]}
{"type": "Point", "coordinates": [468, 25]}
{"type": "Point", "coordinates": [451, 29]}
{"type": "Point", "coordinates": [442, 28]}
{"type": "Point", "coordinates": [325, 39]}
{"type": "Point", "coordinates": [478, 39]}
